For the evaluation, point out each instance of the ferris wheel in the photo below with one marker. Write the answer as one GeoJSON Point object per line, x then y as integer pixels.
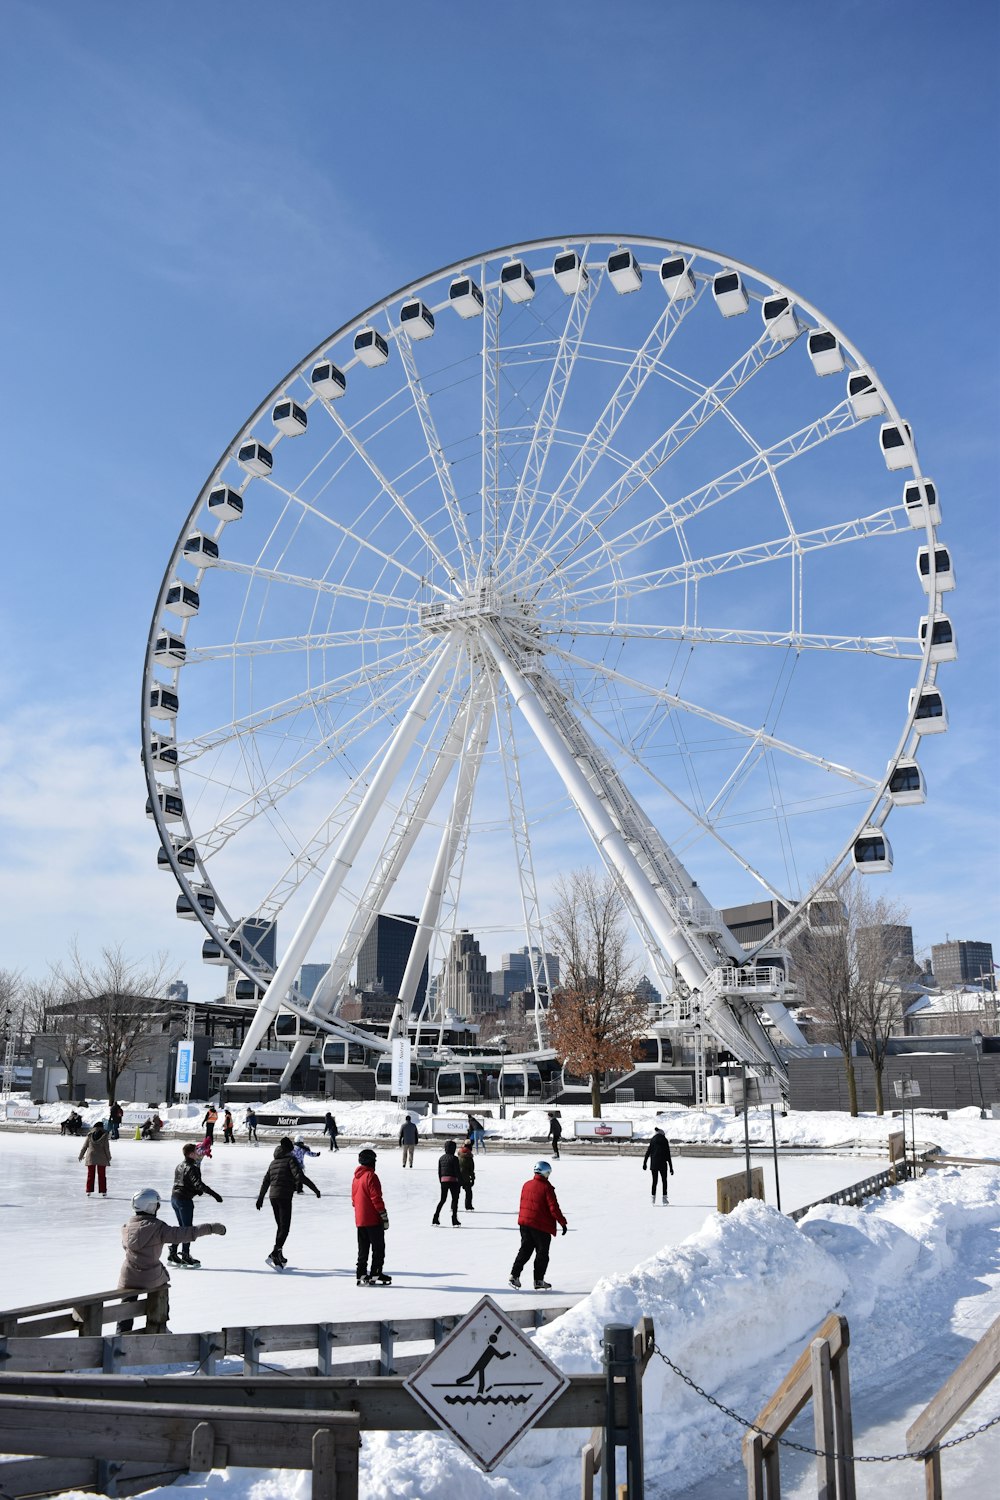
{"type": "Point", "coordinates": [581, 547]}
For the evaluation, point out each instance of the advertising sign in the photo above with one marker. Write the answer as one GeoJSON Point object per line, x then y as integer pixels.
{"type": "Point", "coordinates": [602, 1130]}
{"type": "Point", "coordinates": [185, 1067]}
{"type": "Point", "coordinates": [400, 1086]}
{"type": "Point", "coordinates": [21, 1112]}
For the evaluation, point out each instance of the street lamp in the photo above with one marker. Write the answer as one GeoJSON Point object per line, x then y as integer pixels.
{"type": "Point", "coordinates": [977, 1042]}
{"type": "Point", "coordinates": [503, 1101]}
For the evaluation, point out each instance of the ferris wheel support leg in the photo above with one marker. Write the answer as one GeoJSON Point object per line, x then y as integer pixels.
{"type": "Point", "coordinates": [602, 830]}
{"type": "Point", "coordinates": [350, 845]}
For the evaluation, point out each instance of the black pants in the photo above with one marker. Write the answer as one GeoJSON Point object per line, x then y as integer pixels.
{"type": "Point", "coordinates": [333, 1143]}
{"type": "Point", "coordinates": [282, 1210]}
{"type": "Point", "coordinates": [555, 1147]}
{"type": "Point", "coordinates": [537, 1243]}
{"type": "Point", "coordinates": [467, 1190]}
{"type": "Point", "coordinates": [371, 1237]}
{"type": "Point", "coordinates": [661, 1173]}
{"type": "Point", "coordinates": [446, 1188]}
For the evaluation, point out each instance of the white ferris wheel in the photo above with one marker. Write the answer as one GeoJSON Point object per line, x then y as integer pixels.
{"type": "Point", "coordinates": [585, 547]}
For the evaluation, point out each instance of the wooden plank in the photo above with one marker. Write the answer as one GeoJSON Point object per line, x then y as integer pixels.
{"type": "Point", "coordinates": [959, 1391]}
{"type": "Point", "coordinates": [796, 1388]}
{"type": "Point", "coordinates": [30, 1477]}
{"type": "Point", "coordinates": [64, 1304]}
{"type": "Point", "coordinates": [822, 1398]}
{"type": "Point", "coordinates": [381, 1401]}
{"type": "Point", "coordinates": [844, 1427]}
{"type": "Point", "coordinates": [753, 1459]}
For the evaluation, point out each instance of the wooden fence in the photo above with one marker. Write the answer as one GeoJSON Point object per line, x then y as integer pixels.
{"type": "Point", "coordinates": [855, 1194]}
{"type": "Point", "coordinates": [979, 1367]}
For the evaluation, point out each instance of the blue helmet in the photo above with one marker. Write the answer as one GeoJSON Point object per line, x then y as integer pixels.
{"type": "Point", "coordinates": [542, 1168]}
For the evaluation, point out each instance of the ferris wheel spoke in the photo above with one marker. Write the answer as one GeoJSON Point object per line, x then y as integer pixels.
{"type": "Point", "coordinates": [596, 444]}
{"type": "Point", "coordinates": [550, 408]}
{"type": "Point", "coordinates": [347, 532]}
{"type": "Point", "coordinates": [336, 590]}
{"type": "Point", "coordinates": [745, 731]}
{"type": "Point", "coordinates": [764, 464]}
{"type": "Point", "coordinates": [442, 468]}
{"type": "Point", "coordinates": [899, 647]}
{"type": "Point", "coordinates": [408, 660]}
{"type": "Point", "coordinates": [393, 494]}
{"type": "Point", "coordinates": [329, 640]}
{"type": "Point", "coordinates": [584, 527]}
{"type": "Point", "coordinates": [490, 487]}
{"type": "Point", "coordinates": [888, 522]}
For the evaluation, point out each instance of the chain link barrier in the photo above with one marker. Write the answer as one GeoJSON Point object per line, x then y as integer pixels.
{"type": "Point", "coordinates": [858, 1458]}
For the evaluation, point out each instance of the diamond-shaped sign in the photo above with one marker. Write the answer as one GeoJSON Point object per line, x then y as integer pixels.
{"type": "Point", "coordinates": [486, 1383]}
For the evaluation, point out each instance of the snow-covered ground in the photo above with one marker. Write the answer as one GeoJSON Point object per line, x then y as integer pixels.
{"type": "Point", "coordinates": [917, 1273]}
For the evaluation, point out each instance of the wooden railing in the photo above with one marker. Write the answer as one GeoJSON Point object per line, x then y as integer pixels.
{"type": "Point", "coordinates": [968, 1381]}
{"type": "Point", "coordinates": [853, 1195]}
{"type": "Point", "coordinates": [86, 1315]}
{"type": "Point", "coordinates": [820, 1373]}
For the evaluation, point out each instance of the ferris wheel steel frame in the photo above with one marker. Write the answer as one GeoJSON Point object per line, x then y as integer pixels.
{"type": "Point", "coordinates": [505, 642]}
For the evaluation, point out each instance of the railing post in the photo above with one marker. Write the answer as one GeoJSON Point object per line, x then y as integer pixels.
{"type": "Point", "coordinates": [386, 1334]}
{"type": "Point", "coordinates": [251, 1343]}
{"type": "Point", "coordinates": [822, 1394]}
{"type": "Point", "coordinates": [325, 1336]}
{"type": "Point", "coordinates": [620, 1365]}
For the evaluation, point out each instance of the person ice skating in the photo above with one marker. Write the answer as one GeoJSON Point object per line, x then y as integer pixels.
{"type": "Point", "coordinates": [409, 1135]}
{"type": "Point", "coordinates": [282, 1178]}
{"type": "Point", "coordinates": [204, 1148]}
{"type": "Point", "coordinates": [451, 1180]}
{"type": "Point", "coordinates": [537, 1219]}
{"type": "Point", "coordinates": [659, 1160]}
{"type": "Point", "coordinates": [467, 1172]}
{"type": "Point", "coordinates": [555, 1134]}
{"type": "Point", "coordinates": [300, 1151]}
{"type": "Point", "coordinates": [143, 1239]}
{"type": "Point", "coordinates": [115, 1117]}
{"type": "Point", "coordinates": [252, 1125]}
{"type": "Point", "coordinates": [477, 1134]}
{"type": "Point", "coordinates": [188, 1186]}
{"type": "Point", "coordinates": [211, 1115]}
{"type": "Point", "coordinates": [96, 1152]}
{"type": "Point", "coordinates": [371, 1220]}
{"type": "Point", "coordinates": [330, 1129]}
{"type": "Point", "coordinates": [228, 1133]}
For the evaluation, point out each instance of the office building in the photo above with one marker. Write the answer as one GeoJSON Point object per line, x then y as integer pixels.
{"type": "Point", "coordinates": [515, 972]}
{"type": "Point", "coordinates": [956, 963]}
{"type": "Point", "coordinates": [383, 955]}
{"type": "Point", "coordinates": [309, 978]}
{"type": "Point", "coordinates": [466, 987]}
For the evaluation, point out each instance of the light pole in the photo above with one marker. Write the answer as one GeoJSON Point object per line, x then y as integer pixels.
{"type": "Point", "coordinates": [503, 1101]}
{"type": "Point", "coordinates": [977, 1042]}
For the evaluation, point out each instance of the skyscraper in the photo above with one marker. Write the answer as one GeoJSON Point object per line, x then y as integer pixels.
{"type": "Point", "coordinates": [383, 954]}
{"type": "Point", "coordinates": [309, 978]}
{"type": "Point", "coordinates": [466, 986]}
{"type": "Point", "coordinates": [957, 963]}
{"type": "Point", "coordinates": [514, 973]}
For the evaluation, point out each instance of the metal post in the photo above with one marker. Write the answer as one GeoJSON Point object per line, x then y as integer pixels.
{"type": "Point", "coordinates": [620, 1369]}
{"type": "Point", "coordinates": [746, 1131]}
{"type": "Point", "coordinates": [774, 1149]}
{"type": "Point", "coordinates": [977, 1042]}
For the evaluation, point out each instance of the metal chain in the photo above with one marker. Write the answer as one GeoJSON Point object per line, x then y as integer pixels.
{"type": "Point", "coordinates": [858, 1458]}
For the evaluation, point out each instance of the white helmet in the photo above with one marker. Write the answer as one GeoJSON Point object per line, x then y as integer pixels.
{"type": "Point", "coordinates": [146, 1201]}
{"type": "Point", "coordinates": [300, 1140]}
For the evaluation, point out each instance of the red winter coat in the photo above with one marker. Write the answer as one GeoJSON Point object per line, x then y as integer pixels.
{"type": "Point", "coordinates": [540, 1206]}
{"type": "Point", "coordinates": [366, 1195]}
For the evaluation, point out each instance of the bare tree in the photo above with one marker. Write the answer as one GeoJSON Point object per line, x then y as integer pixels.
{"type": "Point", "coordinates": [848, 970]}
{"type": "Point", "coordinates": [119, 997]}
{"type": "Point", "coordinates": [52, 1007]}
{"type": "Point", "coordinates": [595, 1020]}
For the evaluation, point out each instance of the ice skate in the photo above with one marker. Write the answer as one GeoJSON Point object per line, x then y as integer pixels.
{"type": "Point", "coordinates": [543, 1286]}
{"type": "Point", "coordinates": [514, 1281]}
{"type": "Point", "coordinates": [380, 1279]}
{"type": "Point", "coordinates": [274, 1262]}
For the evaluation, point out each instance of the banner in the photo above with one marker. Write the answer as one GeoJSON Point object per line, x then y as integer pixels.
{"type": "Point", "coordinates": [400, 1086]}
{"type": "Point", "coordinates": [185, 1067]}
{"type": "Point", "coordinates": [21, 1111]}
{"type": "Point", "coordinates": [602, 1130]}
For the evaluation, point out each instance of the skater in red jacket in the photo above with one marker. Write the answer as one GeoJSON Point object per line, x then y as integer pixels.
{"type": "Point", "coordinates": [371, 1219]}
{"type": "Point", "coordinates": [537, 1220]}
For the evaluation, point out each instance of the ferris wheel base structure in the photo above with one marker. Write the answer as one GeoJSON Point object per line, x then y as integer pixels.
{"type": "Point", "coordinates": [610, 540]}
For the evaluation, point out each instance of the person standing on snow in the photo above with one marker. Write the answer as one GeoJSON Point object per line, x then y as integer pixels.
{"type": "Point", "coordinates": [330, 1129]}
{"type": "Point", "coordinates": [555, 1134]}
{"type": "Point", "coordinates": [467, 1170]}
{"type": "Point", "coordinates": [409, 1135]}
{"type": "Point", "coordinates": [96, 1152]}
{"type": "Point", "coordinates": [659, 1160]}
{"type": "Point", "coordinates": [371, 1221]}
{"type": "Point", "coordinates": [281, 1180]}
{"type": "Point", "coordinates": [451, 1180]}
{"type": "Point", "coordinates": [300, 1151]}
{"type": "Point", "coordinates": [228, 1134]}
{"type": "Point", "coordinates": [187, 1187]}
{"type": "Point", "coordinates": [143, 1239]}
{"type": "Point", "coordinates": [211, 1115]}
{"type": "Point", "coordinates": [537, 1219]}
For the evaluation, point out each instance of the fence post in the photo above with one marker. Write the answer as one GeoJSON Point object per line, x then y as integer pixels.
{"type": "Point", "coordinates": [822, 1394]}
{"type": "Point", "coordinates": [620, 1365]}
{"type": "Point", "coordinates": [325, 1336]}
{"type": "Point", "coordinates": [386, 1334]}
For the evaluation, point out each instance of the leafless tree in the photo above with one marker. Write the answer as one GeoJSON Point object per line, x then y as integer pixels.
{"type": "Point", "coordinates": [118, 997]}
{"type": "Point", "coordinates": [52, 1007]}
{"type": "Point", "coordinates": [849, 972]}
{"type": "Point", "coordinates": [594, 1021]}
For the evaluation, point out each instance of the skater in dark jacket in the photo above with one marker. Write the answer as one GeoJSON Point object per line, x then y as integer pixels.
{"type": "Point", "coordinates": [251, 1122]}
{"type": "Point", "coordinates": [555, 1134]}
{"type": "Point", "coordinates": [409, 1135]}
{"type": "Point", "coordinates": [281, 1180]}
{"type": "Point", "coordinates": [330, 1129]}
{"type": "Point", "coordinates": [537, 1218]}
{"type": "Point", "coordinates": [143, 1239]}
{"type": "Point", "coordinates": [371, 1221]}
{"type": "Point", "coordinates": [467, 1169]}
{"type": "Point", "coordinates": [187, 1187]}
{"type": "Point", "coordinates": [659, 1160]}
{"type": "Point", "coordinates": [450, 1179]}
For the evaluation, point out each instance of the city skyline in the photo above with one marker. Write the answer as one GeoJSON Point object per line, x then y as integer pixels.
{"type": "Point", "coordinates": [208, 250]}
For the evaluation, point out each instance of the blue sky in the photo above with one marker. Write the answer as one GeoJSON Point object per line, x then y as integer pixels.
{"type": "Point", "coordinates": [194, 196]}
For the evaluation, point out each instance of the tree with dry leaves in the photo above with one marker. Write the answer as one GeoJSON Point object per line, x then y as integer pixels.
{"type": "Point", "coordinates": [119, 998]}
{"type": "Point", "coordinates": [594, 1021]}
